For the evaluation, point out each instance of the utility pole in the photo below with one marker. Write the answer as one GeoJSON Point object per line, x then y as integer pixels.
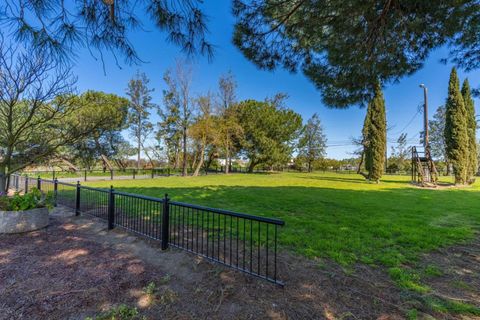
{"type": "Point", "coordinates": [425, 116]}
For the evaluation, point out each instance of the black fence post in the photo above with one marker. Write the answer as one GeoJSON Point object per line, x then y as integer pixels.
{"type": "Point", "coordinates": [165, 222]}
{"type": "Point", "coordinates": [55, 191]}
{"type": "Point", "coordinates": [77, 199]}
{"type": "Point", "coordinates": [85, 175]}
{"type": "Point", "coordinates": [53, 174]}
{"type": "Point", "coordinates": [111, 174]}
{"type": "Point", "coordinates": [39, 183]}
{"type": "Point", "coordinates": [111, 208]}
{"type": "Point", "coordinates": [26, 185]}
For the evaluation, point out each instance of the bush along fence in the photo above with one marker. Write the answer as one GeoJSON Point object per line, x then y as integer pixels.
{"type": "Point", "coordinates": [241, 241]}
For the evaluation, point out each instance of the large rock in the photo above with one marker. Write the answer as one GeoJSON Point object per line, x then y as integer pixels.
{"type": "Point", "coordinates": [23, 221]}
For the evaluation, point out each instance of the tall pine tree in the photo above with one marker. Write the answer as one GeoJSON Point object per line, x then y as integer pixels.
{"type": "Point", "coordinates": [375, 136]}
{"type": "Point", "coordinates": [312, 142]}
{"type": "Point", "coordinates": [456, 136]}
{"type": "Point", "coordinates": [139, 110]}
{"type": "Point", "coordinates": [472, 166]}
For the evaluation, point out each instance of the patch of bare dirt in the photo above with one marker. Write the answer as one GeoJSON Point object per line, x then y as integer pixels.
{"type": "Point", "coordinates": [75, 268]}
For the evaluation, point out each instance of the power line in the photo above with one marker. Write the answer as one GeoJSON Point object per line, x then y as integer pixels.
{"type": "Point", "coordinates": [408, 124]}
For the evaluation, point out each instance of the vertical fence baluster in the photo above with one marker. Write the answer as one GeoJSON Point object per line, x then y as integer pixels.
{"type": "Point", "coordinates": [165, 222]}
{"type": "Point", "coordinates": [258, 249]}
{"type": "Point", "coordinates": [266, 253]}
{"type": "Point", "coordinates": [275, 256]}
{"type": "Point", "coordinates": [77, 199]}
{"type": "Point", "coordinates": [55, 192]}
{"type": "Point", "coordinates": [142, 215]}
{"type": "Point", "coordinates": [111, 208]}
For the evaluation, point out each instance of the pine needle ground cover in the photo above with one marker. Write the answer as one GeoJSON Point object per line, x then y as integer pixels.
{"type": "Point", "coordinates": [339, 216]}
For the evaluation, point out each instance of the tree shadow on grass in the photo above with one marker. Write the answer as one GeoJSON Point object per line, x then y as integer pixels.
{"type": "Point", "coordinates": [359, 180]}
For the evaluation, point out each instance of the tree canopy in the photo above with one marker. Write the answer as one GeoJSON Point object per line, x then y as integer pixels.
{"type": "Point", "coordinates": [313, 141]}
{"type": "Point", "coordinates": [456, 134]}
{"type": "Point", "coordinates": [471, 121]}
{"type": "Point", "coordinates": [62, 27]}
{"type": "Point", "coordinates": [375, 136]}
{"type": "Point", "coordinates": [106, 139]}
{"type": "Point", "coordinates": [344, 47]}
{"type": "Point", "coordinates": [268, 132]}
{"type": "Point", "coordinates": [39, 114]}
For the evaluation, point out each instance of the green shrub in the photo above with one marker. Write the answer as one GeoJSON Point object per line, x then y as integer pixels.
{"type": "Point", "coordinates": [34, 199]}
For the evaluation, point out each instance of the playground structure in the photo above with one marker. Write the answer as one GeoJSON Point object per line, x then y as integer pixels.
{"type": "Point", "coordinates": [63, 164]}
{"type": "Point", "coordinates": [424, 172]}
{"type": "Point", "coordinates": [70, 166]}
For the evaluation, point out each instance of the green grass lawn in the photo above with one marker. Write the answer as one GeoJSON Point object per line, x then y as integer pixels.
{"type": "Point", "coordinates": [333, 215]}
{"type": "Point", "coordinates": [339, 216]}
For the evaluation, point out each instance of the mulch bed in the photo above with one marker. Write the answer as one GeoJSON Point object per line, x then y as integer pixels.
{"type": "Point", "coordinates": [74, 269]}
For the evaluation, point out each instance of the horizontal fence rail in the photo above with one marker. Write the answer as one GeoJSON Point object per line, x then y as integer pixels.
{"type": "Point", "coordinates": [241, 241]}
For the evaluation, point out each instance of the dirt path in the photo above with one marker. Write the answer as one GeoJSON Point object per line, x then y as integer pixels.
{"type": "Point", "coordinates": [75, 268]}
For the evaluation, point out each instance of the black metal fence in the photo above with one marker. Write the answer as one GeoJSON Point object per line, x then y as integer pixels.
{"type": "Point", "coordinates": [241, 241]}
{"type": "Point", "coordinates": [96, 174]}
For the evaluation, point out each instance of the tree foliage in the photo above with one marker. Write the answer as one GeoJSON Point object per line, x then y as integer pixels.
{"type": "Point", "coordinates": [38, 112]}
{"type": "Point", "coordinates": [456, 134]}
{"type": "Point", "coordinates": [105, 139]}
{"type": "Point", "coordinates": [398, 158]}
{"type": "Point", "coordinates": [375, 136]}
{"type": "Point", "coordinates": [202, 131]}
{"type": "Point", "coordinates": [169, 130]}
{"type": "Point", "coordinates": [62, 27]}
{"type": "Point", "coordinates": [228, 126]}
{"type": "Point", "coordinates": [268, 132]}
{"type": "Point", "coordinates": [312, 142]}
{"type": "Point", "coordinates": [344, 47]}
{"type": "Point", "coordinates": [471, 121]}
{"type": "Point", "coordinates": [437, 134]}
{"type": "Point", "coordinates": [139, 110]}
{"type": "Point", "coordinates": [178, 114]}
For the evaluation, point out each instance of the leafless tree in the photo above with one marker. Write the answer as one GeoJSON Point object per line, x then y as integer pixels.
{"type": "Point", "coordinates": [38, 111]}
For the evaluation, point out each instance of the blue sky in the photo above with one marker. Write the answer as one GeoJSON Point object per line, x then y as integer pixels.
{"type": "Point", "coordinates": [402, 99]}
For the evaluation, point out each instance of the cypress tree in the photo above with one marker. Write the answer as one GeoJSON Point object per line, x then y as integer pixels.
{"type": "Point", "coordinates": [366, 140]}
{"type": "Point", "coordinates": [472, 167]}
{"type": "Point", "coordinates": [456, 137]}
{"type": "Point", "coordinates": [375, 135]}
